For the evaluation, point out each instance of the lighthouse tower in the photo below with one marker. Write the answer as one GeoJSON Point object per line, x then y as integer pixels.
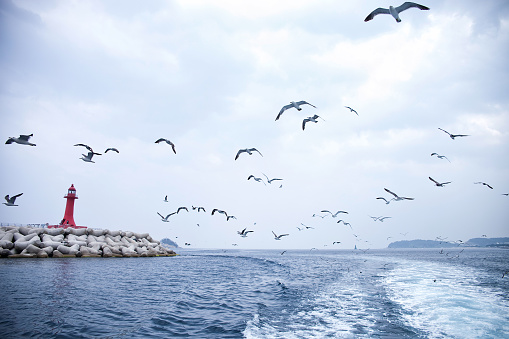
{"type": "Point", "coordinates": [68, 220]}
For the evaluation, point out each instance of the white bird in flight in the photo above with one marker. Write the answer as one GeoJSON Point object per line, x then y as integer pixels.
{"type": "Point", "coordinates": [165, 219]}
{"type": "Point", "coordinates": [352, 110]}
{"type": "Point", "coordinates": [271, 180]}
{"type": "Point", "coordinates": [295, 105]}
{"type": "Point", "coordinates": [22, 139]}
{"type": "Point", "coordinates": [91, 153]}
{"type": "Point", "coordinates": [440, 156]}
{"type": "Point", "coordinates": [483, 183]}
{"type": "Point", "coordinates": [396, 197]}
{"type": "Point", "coordinates": [454, 135]}
{"type": "Point", "coordinates": [439, 184]}
{"type": "Point", "coordinates": [387, 202]}
{"type": "Point", "coordinates": [278, 237]}
{"type": "Point", "coordinates": [334, 214]}
{"type": "Point", "coordinates": [310, 119]}
{"type": "Point", "coordinates": [248, 151]}
{"type": "Point", "coordinates": [244, 232]}
{"type": "Point", "coordinates": [394, 11]}
{"type": "Point", "coordinates": [168, 142]}
{"type": "Point", "coordinates": [11, 200]}
{"type": "Point", "coordinates": [256, 179]}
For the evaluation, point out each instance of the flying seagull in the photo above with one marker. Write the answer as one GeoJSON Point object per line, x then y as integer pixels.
{"type": "Point", "coordinates": [440, 156]}
{"type": "Point", "coordinates": [396, 197]}
{"type": "Point", "coordinates": [219, 211]}
{"type": "Point", "coordinates": [248, 151]}
{"type": "Point", "coordinates": [22, 139]}
{"type": "Point", "coordinates": [310, 119]}
{"type": "Point", "coordinates": [271, 180]}
{"type": "Point", "coordinates": [182, 208]}
{"type": "Point", "coordinates": [278, 237]}
{"type": "Point", "coordinates": [334, 214]}
{"type": "Point", "coordinates": [483, 183]}
{"type": "Point", "coordinates": [454, 135]}
{"type": "Point", "coordinates": [352, 110]}
{"type": "Point", "coordinates": [168, 142]}
{"type": "Point", "coordinates": [11, 200]}
{"type": "Point", "coordinates": [166, 199]}
{"type": "Point", "coordinates": [228, 217]}
{"type": "Point", "coordinates": [344, 223]}
{"type": "Point", "coordinates": [256, 179]}
{"type": "Point", "coordinates": [198, 208]}
{"type": "Point", "coordinates": [293, 104]}
{"type": "Point", "coordinates": [111, 149]}
{"type": "Point", "coordinates": [439, 184]}
{"type": "Point", "coordinates": [244, 232]}
{"type": "Point", "coordinates": [165, 219]}
{"type": "Point", "coordinates": [394, 11]}
{"type": "Point", "coordinates": [91, 153]}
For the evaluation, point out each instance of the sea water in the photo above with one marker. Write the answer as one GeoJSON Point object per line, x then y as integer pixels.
{"type": "Point", "coordinates": [450, 293]}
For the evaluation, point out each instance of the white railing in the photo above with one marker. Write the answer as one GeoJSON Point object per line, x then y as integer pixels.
{"type": "Point", "coordinates": [27, 225]}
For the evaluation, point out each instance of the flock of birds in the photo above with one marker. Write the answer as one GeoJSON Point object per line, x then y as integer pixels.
{"type": "Point", "coordinates": [394, 11]}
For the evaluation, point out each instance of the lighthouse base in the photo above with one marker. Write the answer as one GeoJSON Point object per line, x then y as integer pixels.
{"type": "Point", "coordinates": [66, 226]}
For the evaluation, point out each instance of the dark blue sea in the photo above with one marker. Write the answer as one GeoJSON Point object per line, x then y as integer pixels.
{"type": "Point", "coordinates": [449, 293]}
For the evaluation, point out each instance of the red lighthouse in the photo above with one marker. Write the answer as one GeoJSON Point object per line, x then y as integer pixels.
{"type": "Point", "coordinates": [68, 220]}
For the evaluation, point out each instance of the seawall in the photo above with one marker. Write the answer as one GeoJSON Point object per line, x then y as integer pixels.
{"type": "Point", "coordinates": [28, 242]}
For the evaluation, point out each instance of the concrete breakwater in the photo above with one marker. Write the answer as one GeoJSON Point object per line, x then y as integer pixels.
{"type": "Point", "coordinates": [28, 242]}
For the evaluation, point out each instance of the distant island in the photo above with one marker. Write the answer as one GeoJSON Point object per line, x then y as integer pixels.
{"type": "Point", "coordinates": [474, 242]}
{"type": "Point", "coordinates": [168, 243]}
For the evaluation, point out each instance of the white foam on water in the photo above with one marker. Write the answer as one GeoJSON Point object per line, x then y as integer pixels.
{"type": "Point", "coordinates": [340, 311]}
{"type": "Point", "coordinates": [453, 306]}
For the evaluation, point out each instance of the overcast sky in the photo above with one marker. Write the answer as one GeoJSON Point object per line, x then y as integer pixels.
{"type": "Point", "coordinates": [211, 76]}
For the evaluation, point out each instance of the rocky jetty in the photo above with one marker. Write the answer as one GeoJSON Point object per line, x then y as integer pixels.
{"type": "Point", "coordinates": [28, 242]}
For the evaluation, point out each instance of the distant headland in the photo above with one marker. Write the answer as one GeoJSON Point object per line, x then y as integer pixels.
{"type": "Point", "coordinates": [35, 242]}
{"type": "Point", "coordinates": [474, 242]}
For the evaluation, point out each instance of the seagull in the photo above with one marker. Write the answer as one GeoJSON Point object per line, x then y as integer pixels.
{"type": "Point", "coordinates": [293, 104]}
{"type": "Point", "coordinates": [453, 135]}
{"type": "Point", "coordinates": [256, 179]}
{"type": "Point", "coordinates": [344, 223]}
{"type": "Point", "coordinates": [91, 153]}
{"type": "Point", "coordinates": [396, 197]}
{"type": "Point", "coordinates": [352, 110]}
{"type": "Point", "coordinates": [440, 156]}
{"type": "Point", "coordinates": [285, 252]}
{"type": "Point", "coordinates": [321, 216]}
{"type": "Point", "coordinates": [219, 211]}
{"type": "Point", "coordinates": [111, 149]}
{"type": "Point", "coordinates": [182, 208]}
{"type": "Point", "coordinates": [11, 200]}
{"type": "Point", "coordinates": [168, 142]}
{"type": "Point", "coordinates": [336, 242]}
{"type": "Point", "coordinates": [506, 194]}
{"type": "Point", "coordinates": [228, 217]}
{"type": "Point", "coordinates": [278, 237]}
{"type": "Point", "coordinates": [22, 139]}
{"type": "Point", "coordinates": [483, 183]}
{"type": "Point", "coordinates": [165, 219]}
{"type": "Point", "coordinates": [248, 151]}
{"type": "Point", "coordinates": [244, 232]}
{"type": "Point", "coordinates": [166, 199]}
{"type": "Point", "coordinates": [307, 227]}
{"type": "Point", "coordinates": [271, 180]}
{"type": "Point", "coordinates": [394, 11]}
{"type": "Point", "coordinates": [333, 214]}
{"type": "Point", "coordinates": [439, 184]}
{"type": "Point", "coordinates": [387, 202]}
{"type": "Point", "coordinates": [198, 208]}
{"type": "Point", "coordinates": [312, 119]}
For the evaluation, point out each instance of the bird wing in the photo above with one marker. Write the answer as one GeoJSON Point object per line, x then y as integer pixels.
{"type": "Point", "coordinates": [239, 152]}
{"type": "Point", "coordinates": [254, 149]}
{"type": "Point", "coordinates": [159, 140]}
{"type": "Point", "coordinates": [86, 146]}
{"type": "Point", "coordinates": [391, 192]}
{"type": "Point", "coordinates": [7, 198]}
{"type": "Point", "coordinates": [111, 149]}
{"type": "Point", "coordinates": [444, 130]}
{"type": "Point", "coordinates": [376, 12]}
{"type": "Point", "coordinates": [160, 215]}
{"type": "Point", "coordinates": [326, 211]}
{"type": "Point", "coordinates": [172, 146]}
{"type": "Point", "coordinates": [447, 182]}
{"type": "Point", "coordinates": [251, 176]}
{"type": "Point", "coordinates": [9, 141]}
{"type": "Point", "coordinates": [283, 109]}
{"type": "Point", "coordinates": [282, 235]}
{"type": "Point", "coordinates": [302, 102]}
{"type": "Point", "coordinates": [25, 137]}
{"type": "Point", "coordinates": [182, 208]}
{"type": "Point", "coordinates": [459, 135]}
{"type": "Point", "coordinates": [488, 185]}
{"type": "Point", "coordinates": [430, 178]}
{"type": "Point", "coordinates": [408, 5]}
{"type": "Point", "coordinates": [304, 123]}
{"type": "Point", "coordinates": [432, 154]}
{"type": "Point", "coordinates": [14, 197]}
{"type": "Point", "coordinates": [274, 234]}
